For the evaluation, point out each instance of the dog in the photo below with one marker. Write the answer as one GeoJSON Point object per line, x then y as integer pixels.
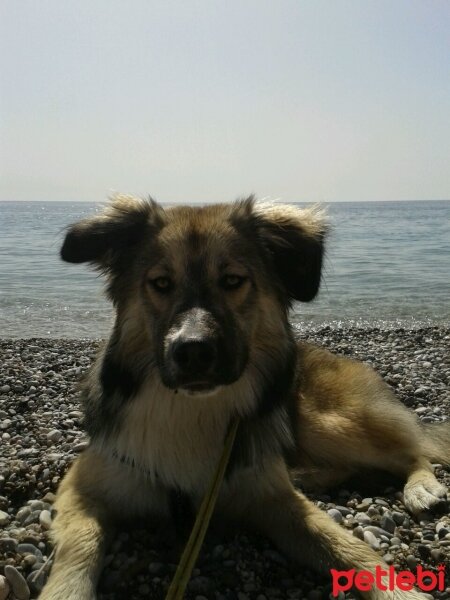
{"type": "Point", "coordinates": [202, 337]}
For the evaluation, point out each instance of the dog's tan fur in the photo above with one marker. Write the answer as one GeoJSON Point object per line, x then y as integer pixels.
{"type": "Point", "coordinates": [346, 417]}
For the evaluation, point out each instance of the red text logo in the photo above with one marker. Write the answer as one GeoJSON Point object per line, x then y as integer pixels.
{"type": "Point", "coordinates": [387, 579]}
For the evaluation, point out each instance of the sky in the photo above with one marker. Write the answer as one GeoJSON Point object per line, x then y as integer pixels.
{"type": "Point", "coordinates": [318, 100]}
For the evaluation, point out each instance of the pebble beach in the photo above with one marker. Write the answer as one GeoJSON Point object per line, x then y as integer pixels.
{"type": "Point", "coordinates": [41, 433]}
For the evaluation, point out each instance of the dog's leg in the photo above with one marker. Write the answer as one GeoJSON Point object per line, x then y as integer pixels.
{"type": "Point", "coordinates": [389, 441]}
{"type": "Point", "coordinates": [79, 532]}
{"type": "Point", "coordinates": [356, 421]}
{"type": "Point", "coordinates": [312, 538]}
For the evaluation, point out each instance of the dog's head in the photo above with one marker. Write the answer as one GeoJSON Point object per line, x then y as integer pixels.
{"type": "Point", "coordinates": [201, 289]}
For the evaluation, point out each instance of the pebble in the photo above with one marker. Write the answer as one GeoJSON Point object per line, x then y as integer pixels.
{"type": "Point", "coordinates": [364, 504]}
{"type": "Point", "coordinates": [4, 518]}
{"type": "Point", "coordinates": [437, 555]}
{"type": "Point", "coordinates": [398, 517]}
{"type": "Point", "coordinates": [378, 531]}
{"type": "Point", "coordinates": [362, 518]}
{"type": "Point", "coordinates": [336, 515]}
{"type": "Point", "coordinates": [80, 446]}
{"type": "Point", "coordinates": [45, 519]}
{"type": "Point", "coordinates": [36, 581]}
{"type": "Point", "coordinates": [344, 510]}
{"type": "Point", "coordinates": [49, 498]}
{"type": "Point", "coordinates": [370, 539]}
{"type": "Point", "coordinates": [442, 530]}
{"type": "Point", "coordinates": [359, 532]}
{"type": "Point", "coordinates": [54, 435]}
{"type": "Point", "coordinates": [30, 549]}
{"type": "Point", "coordinates": [17, 582]}
{"type": "Point", "coordinates": [8, 545]}
{"type": "Point", "coordinates": [32, 518]}
{"type": "Point", "coordinates": [29, 560]}
{"type": "Point", "coordinates": [387, 523]}
{"type": "Point", "coordinates": [4, 588]}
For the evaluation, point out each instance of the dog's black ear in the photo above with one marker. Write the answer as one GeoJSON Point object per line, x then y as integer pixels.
{"type": "Point", "coordinates": [294, 238]}
{"type": "Point", "coordinates": [122, 224]}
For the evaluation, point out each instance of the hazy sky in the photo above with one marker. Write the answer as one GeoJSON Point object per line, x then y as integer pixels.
{"type": "Point", "coordinates": [208, 100]}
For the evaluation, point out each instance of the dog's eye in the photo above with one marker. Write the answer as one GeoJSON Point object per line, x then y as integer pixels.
{"type": "Point", "coordinates": [161, 284]}
{"type": "Point", "coordinates": [231, 282]}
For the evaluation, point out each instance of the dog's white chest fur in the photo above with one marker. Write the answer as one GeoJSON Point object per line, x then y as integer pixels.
{"type": "Point", "coordinates": [177, 439]}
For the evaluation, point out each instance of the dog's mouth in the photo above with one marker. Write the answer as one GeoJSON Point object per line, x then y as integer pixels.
{"type": "Point", "coordinates": [199, 388]}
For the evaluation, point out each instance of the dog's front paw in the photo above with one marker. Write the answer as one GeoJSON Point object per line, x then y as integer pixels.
{"type": "Point", "coordinates": [424, 495]}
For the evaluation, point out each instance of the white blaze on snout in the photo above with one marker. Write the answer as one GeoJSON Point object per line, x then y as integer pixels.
{"type": "Point", "coordinates": [193, 325]}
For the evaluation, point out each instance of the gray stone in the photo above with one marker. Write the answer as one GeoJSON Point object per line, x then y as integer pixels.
{"type": "Point", "coordinates": [36, 581]}
{"type": "Point", "coordinates": [398, 518]}
{"type": "Point", "coordinates": [32, 518]}
{"type": "Point", "coordinates": [336, 515]}
{"type": "Point", "coordinates": [359, 532]}
{"type": "Point", "coordinates": [387, 523]}
{"type": "Point", "coordinates": [80, 446]}
{"type": "Point", "coordinates": [381, 502]}
{"type": "Point", "coordinates": [378, 532]}
{"type": "Point", "coordinates": [17, 582]}
{"type": "Point", "coordinates": [362, 518]}
{"type": "Point", "coordinates": [54, 435]}
{"type": "Point", "coordinates": [8, 545]}
{"type": "Point", "coordinates": [29, 560]}
{"type": "Point", "coordinates": [344, 510]}
{"type": "Point", "coordinates": [23, 514]}
{"type": "Point", "coordinates": [30, 549]}
{"type": "Point", "coordinates": [45, 519]}
{"type": "Point", "coordinates": [364, 504]}
{"type": "Point", "coordinates": [4, 588]}
{"type": "Point", "coordinates": [442, 530]}
{"type": "Point", "coordinates": [370, 539]}
{"type": "Point", "coordinates": [49, 497]}
{"type": "Point", "coordinates": [437, 555]}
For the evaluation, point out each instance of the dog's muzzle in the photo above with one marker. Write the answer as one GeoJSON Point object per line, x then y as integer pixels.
{"type": "Point", "coordinates": [194, 361]}
{"type": "Point", "coordinates": [191, 353]}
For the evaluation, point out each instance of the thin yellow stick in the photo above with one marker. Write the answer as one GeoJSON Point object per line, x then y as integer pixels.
{"type": "Point", "coordinates": [195, 541]}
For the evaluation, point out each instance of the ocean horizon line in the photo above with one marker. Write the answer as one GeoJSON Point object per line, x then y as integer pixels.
{"type": "Point", "coordinates": [203, 202]}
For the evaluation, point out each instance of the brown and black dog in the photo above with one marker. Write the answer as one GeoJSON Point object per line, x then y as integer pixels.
{"type": "Point", "coordinates": [201, 337]}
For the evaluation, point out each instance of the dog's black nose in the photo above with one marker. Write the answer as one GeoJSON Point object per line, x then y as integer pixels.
{"type": "Point", "coordinates": [194, 357]}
